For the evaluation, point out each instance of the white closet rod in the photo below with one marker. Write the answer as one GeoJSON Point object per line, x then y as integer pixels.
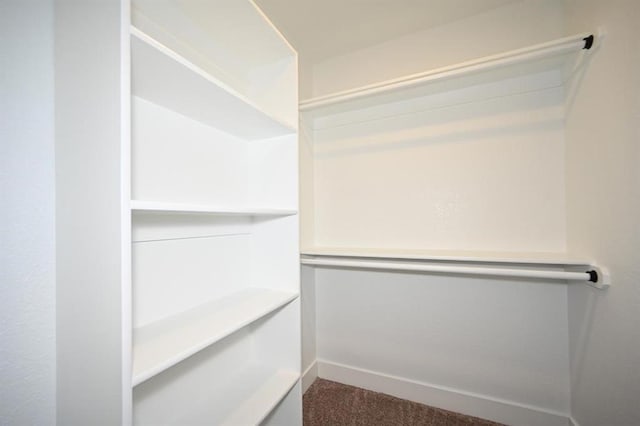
{"type": "Point", "coordinates": [555, 47]}
{"type": "Point", "coordinates": [593, 277]}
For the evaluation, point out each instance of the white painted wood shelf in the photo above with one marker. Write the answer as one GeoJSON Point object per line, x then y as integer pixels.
{"type": "Point", "coordinates": [141, 206]}
{"type": "Point", "coordinates": [165, 78]}
{"type": "Point", "coordinates": [247, 400]}
{"type": "Point", "coordinates": [466, 256]}
{"type": "Point", "coordinates": [553, 55]}
{"type": "Point", "coordinates": [164, 343]}
{"type": "Point", "coordinates": [263, 397]}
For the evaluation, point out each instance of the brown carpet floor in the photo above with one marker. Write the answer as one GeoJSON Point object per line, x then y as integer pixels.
{"type": "Point", "coordinates": [329, 403]}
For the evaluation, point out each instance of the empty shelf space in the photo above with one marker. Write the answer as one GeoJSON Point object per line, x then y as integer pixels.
{"type": "Point", "coordinates": [164, 343]}
{"type": "Point", "coordinates": [153, 206]}
{"type": "Point", "coordinates": [165, 78]}
{"type": "Point", "coordinates": [528, 258]}
{"type": "Point", "coordinates": [245, 398]}
{"type": "Point", "coordinates": [262, 399]}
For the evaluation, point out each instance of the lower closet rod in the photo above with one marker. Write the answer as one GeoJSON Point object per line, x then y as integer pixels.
{"type": "Point", "coordinates": [590, 276]}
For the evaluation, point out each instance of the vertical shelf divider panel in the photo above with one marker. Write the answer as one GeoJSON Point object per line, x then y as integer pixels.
{"type": "Point", "coordinates": [216, 315]}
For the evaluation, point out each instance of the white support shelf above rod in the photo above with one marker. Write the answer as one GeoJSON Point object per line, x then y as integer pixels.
{"type": "Point", "coordinates": [496, 265]}
{"type": "Point", "coordinates": [466, 256]}
{"type": "Point", "coordinates": [540, 57]}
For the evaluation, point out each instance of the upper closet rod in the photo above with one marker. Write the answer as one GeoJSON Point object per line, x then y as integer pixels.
{"type": "Point", "coordinates": [555, 47]}
{"type": "Point", "coordinates": [594, 276]}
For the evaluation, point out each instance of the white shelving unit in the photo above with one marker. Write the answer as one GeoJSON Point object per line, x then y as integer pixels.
{"type": "Point", "coordinates": [216, 334]}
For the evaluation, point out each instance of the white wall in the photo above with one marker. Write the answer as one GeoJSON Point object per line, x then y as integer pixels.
{"type": "Point", "coordinates": [603, 201]}
{"type": "Point", "coordinates": [497, 349]}
{"type": "Point", "coordinates": [471, 169]}
{"type": "Point", "coordinates": [307, 215]}
{"type": "Point", "coordinates": [27, 253]}
{"type": "Point", "coordinates": [305, 77]}
{"type": "Point", "coordinates": [497, 340]}
{"type": "Point", "coordinates": [509, 27]}
{"type": "Point", "coordinates": [309, 325]}
{"type": "Point", "coordinates": [481, 174]}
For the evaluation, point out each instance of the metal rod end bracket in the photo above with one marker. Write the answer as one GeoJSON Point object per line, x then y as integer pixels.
{"type": "Point", "coordinates": [588, 42]}
{"type": "Point", "coordinates": [599, 277]}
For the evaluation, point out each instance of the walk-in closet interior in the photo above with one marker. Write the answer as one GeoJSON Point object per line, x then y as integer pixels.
{"type": "Point", "coordinates": [447, 174]}
{"type": "Point", "coordinates": [212, 204]}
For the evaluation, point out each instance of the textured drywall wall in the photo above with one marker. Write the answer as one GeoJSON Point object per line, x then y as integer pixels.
{"type": "Point", "coordinates": [603, 204]}
{"type": "Point", "coordinates": [27, 206]}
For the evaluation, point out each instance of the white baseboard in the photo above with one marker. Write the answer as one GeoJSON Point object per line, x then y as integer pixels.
{"type": "Point", "coordinates": [309, 375]}
{"type": "Point", "coordinates": [486, 407]}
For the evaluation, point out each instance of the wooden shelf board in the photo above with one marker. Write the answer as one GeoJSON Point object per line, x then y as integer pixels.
{"type": "Point", "coordinates": [247, 400]}
{"type": "Point", "coordinates": [529, 258]}
{"type": "Point", "coordinates": [264, 398]}
{"type": "Point", "coordinates": [243, 28]}
{"type": "Point", "coordinates": [164, 343]}
{"type": "Point", "coordinates": [159, 207]}
{"type": "Point", "coordinates": [165, 78]}
{"type": "Point", "coordinates": [548, 56]}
